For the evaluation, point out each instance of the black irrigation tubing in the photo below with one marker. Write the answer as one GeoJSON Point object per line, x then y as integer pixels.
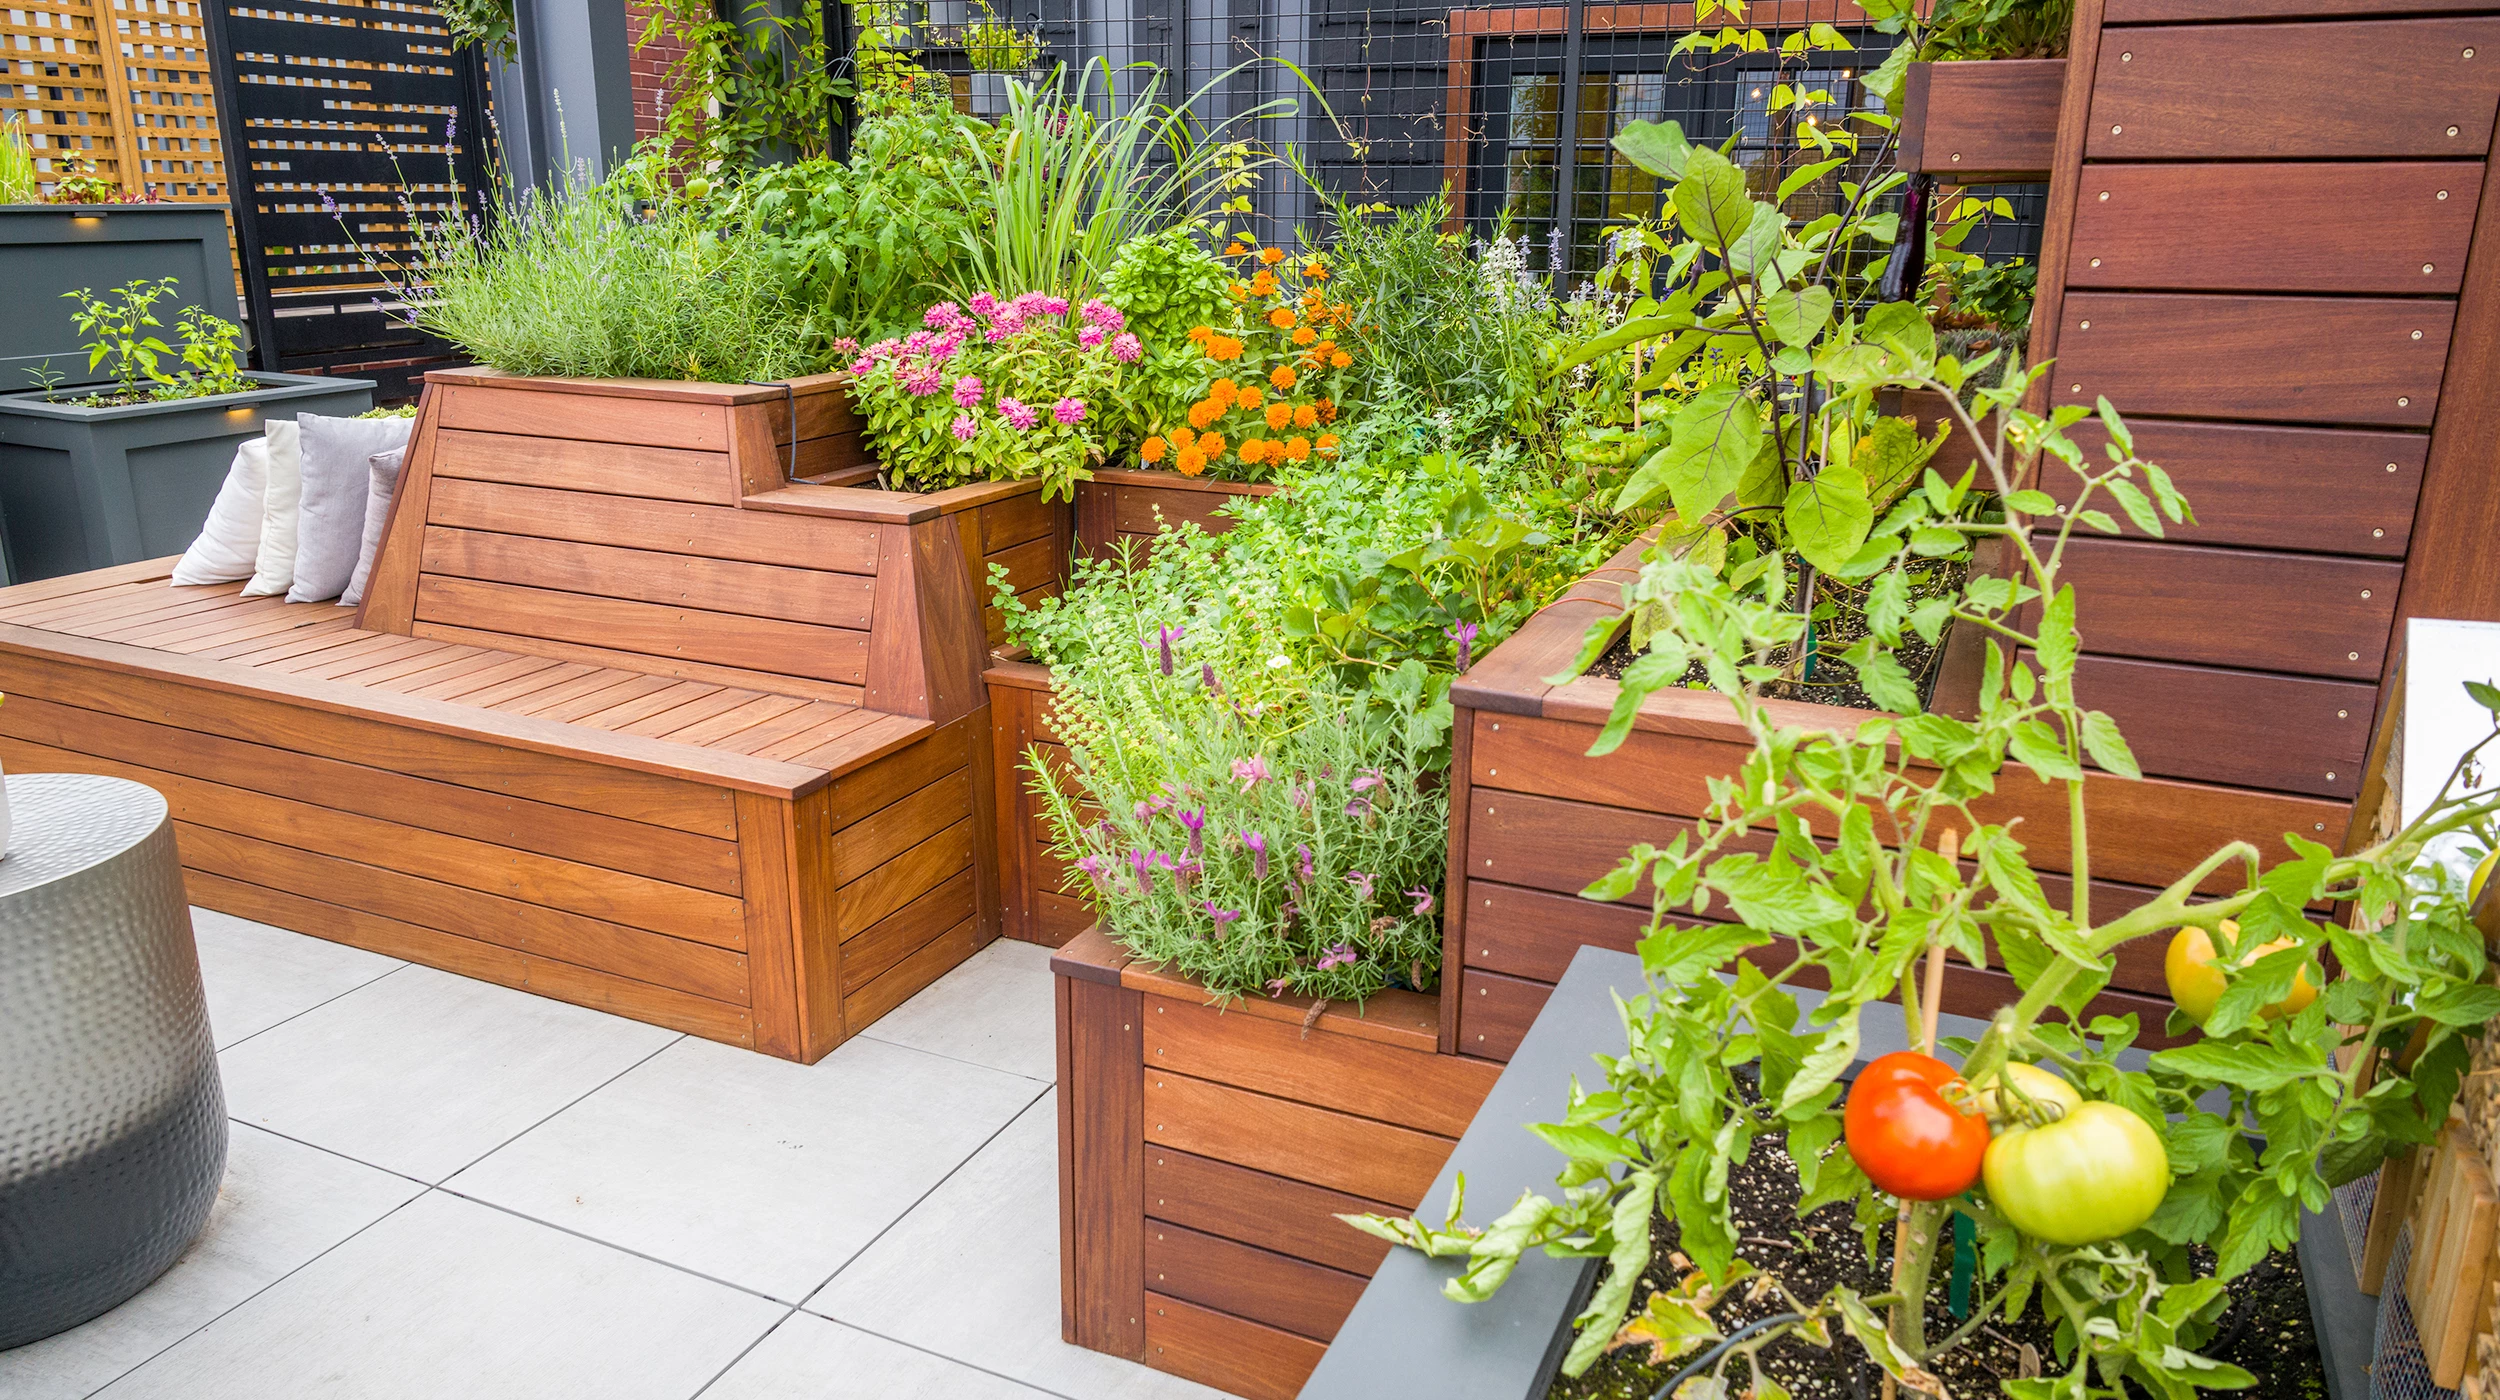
{"type": "Point", "coordinates": [790, 400]}
{"type": "Point", "coordinates": [1711, 1356]}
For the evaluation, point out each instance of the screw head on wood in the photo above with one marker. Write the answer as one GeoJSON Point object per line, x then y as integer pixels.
{"type": "Point", "coordinates": [2426, 271]}
{"type": "Point", "coordinates": [2378, 534]}
{"type": "Point", "coordinates": [2096, 262]}
{"type": "Point", "coordinates": [2330, 777]}
{"type": "Point", "coordinates": [2452, 131]}
{"type": "Point", "coordinates": [2343, 714]}
{"type": "Point", "coordinates": [2443, 194]}
{"type": "Point", "coordinates": [2352, 656]}
{"type": "Point", "coordinates": [2074, 388]}
{"type": "Point", "coordinates": [2115, 130]}
{"type": "Point", "coordinates": [2417, 335]}
{"type": "Point", "coordinates": [2403, 402]}
{"type": "Point", "coordinates": [2391, 466]}
{"type": "Point", "coordinates": [2126, 58]}
{"type": "Point", "coordinates": [2104, 194]}
{"type": "Point", "coordinates": [2085, 326]}
{"type": "Point", "coordinates": [2365, 593]}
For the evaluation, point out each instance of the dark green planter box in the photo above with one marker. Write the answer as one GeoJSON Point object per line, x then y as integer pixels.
{"type": "Point", "coordinates": [87, 488]}
{"type": "Point", "coordinates": [48, 249]}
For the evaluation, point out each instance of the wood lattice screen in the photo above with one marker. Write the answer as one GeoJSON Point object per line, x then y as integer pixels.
{"type": "Point", "coordinates": [122, 85]}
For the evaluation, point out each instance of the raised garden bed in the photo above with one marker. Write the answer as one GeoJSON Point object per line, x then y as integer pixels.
{"type": "Point", "coordinates": [87, 488]}
{"type": "Point", "coordinates": [1204, 1152]}
{"type": "Point", "coordinates": [1979, 123]}
{"type": "Point", "coordinates": [1126, 503]}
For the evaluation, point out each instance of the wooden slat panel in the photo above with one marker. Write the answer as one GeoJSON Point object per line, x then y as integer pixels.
{"type": "Point", "coordinates": [1017, 519]}
{"type": "Point", "coordinates": [871, 789]}
{"type": "Point", "coordinates": [2345, 360]}
{"type": "Point", "coordinates": [719, 974]}
{"type": "Point", "coordinates": [1102, 1155]}
{"type": "Point", "coordinates": [759, 537]}
{"type": "Point", "coordinates": [867, 954]}
{"type": "Point", "coordinates": [607, 468]}
{"type": "Point", "coordinates": [901, 825]}
{"type": "Point", "coordinates": [668, 668]}
{"type": "Point", "coordinates": [500, 818]}
{"type": "Point", "coordinates": [2385, 88]}
{"type": "Point", "coordinates": [475, 763]}
{"type": "Point", "coordinates": [769, 865]}
{"type": "Point", "coordinates": [595, 418]}
{"type": "Point", "coordinates": [904, 878]}
{"type": "Point", "coordinates": [520, 690]}
{"type": "Point", "coordinates": [1977, 121]}
{"type": "Point", "coordinates": [1534, 933]}
{"type": "Point", "coordinates": [1301, 1297]}
{"type": "Point", "coordinates": [1424, 1091]}
{"type": "Point", "coordinates": [730, 723]}
{"type": "Point", "coordinates": [807, 717]}
{"type": "Point", "coordinates": [1272, 1212]}
{"type": "Point", "coordinates": [1233, 1354]}
{"type": "Point", "coordinates": [2293, 734]}
{"type": "Point", "coordinates": [373, 646]}
{"type": "Point", "coordinates": [1494, 1012]}
{"type": "Point", "coordinates": [318, 637]}
{"type": "Point", "coordinates": [470, 682]}
{"type": "Point", "coordinates": [897, 984]}
{"type": "Point", "coordinates": [695, 711]}
{"type": "Point", "coordinates": [2317, 490]}
{"type": "Point", "coordinates": [2295, 613]}
{"type": "Point", "coordinates": [1030, 565]}
{"type": "Point", "coordinates": [660, 1006]}
{"type": "Point", "coordinates": [756, 644]}
{"type": "Point", "coordinates": [69, 585]}
{"type": "Point", "coordinates": [635, 900]}
{"type": "Point", "coordinates": [1317, 1145]}
{"type": "Point", "coordinates": [673, 580]}
{"type": "Point", "coordinates": [1148, 510]}
{"type": "Point", "coordinates": [2397, 229]}
{"type": "Point", "coordinates": [2184, 11]}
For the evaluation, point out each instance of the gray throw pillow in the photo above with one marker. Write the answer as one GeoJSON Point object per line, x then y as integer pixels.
{"type": "Point", "coordinates": [337, 456]}
{"type": "Point", "coordinates": [384, 471]}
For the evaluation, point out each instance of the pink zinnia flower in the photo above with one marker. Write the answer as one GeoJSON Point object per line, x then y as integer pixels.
{"type": "Point", "coordinates": [966, 427]}
{"type": "Point", "coordinates": [845, 345]}
{"type": "Point", "coordinates": [1019, 414]}
{"type": "Point", "coordinates": [984, 305]}
{"type": "Point", "coordinates": [1054, 306]}
{"type": "Point", "coordinates": [1127, 348]}
{"type": "Point", "coordinates": [863, 364]}
{"type": "Point", "coordinates": [916, 343]}
{"type": "Point", "coordinates": [1091, 337]}
{"type": "Point", "coordinates": [1069, 410]}
{"type": "Point", "coordinates": [944, 316]}
{"type": "Point", "coordinates": [923, 379]}
{"type": "Point", "coordinates": [1102, 313]}
{"type": "Point", "coordinates": [968, 391]}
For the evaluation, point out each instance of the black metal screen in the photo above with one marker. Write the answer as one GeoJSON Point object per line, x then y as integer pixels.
{"type": "Point", "coordinates": [355, 111]}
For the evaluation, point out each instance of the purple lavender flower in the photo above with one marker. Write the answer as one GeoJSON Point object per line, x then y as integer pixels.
{"type": "Point", "coordinates": [1423, 900]}
{"type": "Point", "coordinates": [1340, 955]}
{"type": "Point", "coordinates": [1360, 807]}
{"type": "Point", "coordinates": [451, 127]}
{"type": "Point", "coordinates": [1276, 986]}
{"type": "Point", "coordinates": [1127, 348]}
{"type": "Point", "coordinates": [1299, 795]}
{"type": "Point", "coordinates": [1250, 772]}
{"type": "Point", "coordinates": [1194, 818]}
{"type": "Point", "coordinates": [1362, 884]}
{"type": "Point", "coordinates": [329, 206]}
{"type": "Point", "coordinates": [968, 391]}
{"type": "Point", "coordinates": [1164, 639]}
{"type": "Point", "coordinates": [1257, 845]}
{"type": "Point", "coordinates": [966, 427]}
{"type": "Point", "coordinates": [1069, 410]}
{"type": "Point", "coordinates": [1220, 915]}
{"type": "Point", "coordinates": [1095, 869]}
{"type": "Point", "coordinates": [1309, 873]}
{"type": "Point", "coordinates": [1137, 861]}
{"type": "Point", "coordinates": [1019, 414]}
{"type": "Point", "coordinates": [1465, 635]}
{"type": "Point", "coordinates": [1370, 778]}
{"type": "Point", "coordinates": [1206, 678]}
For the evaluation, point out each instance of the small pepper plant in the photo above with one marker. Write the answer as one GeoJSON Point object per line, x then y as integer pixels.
{"type": "Point", "coordinates": [1862, 859]}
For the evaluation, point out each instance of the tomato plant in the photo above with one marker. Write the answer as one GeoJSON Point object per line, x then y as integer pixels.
{"type": "Point", "coordinates": [2094, 1174]}
{"type": "Point", "coordinates": [1906, 1135]}
{"type": "Point", "coordinates": [2197, 980]}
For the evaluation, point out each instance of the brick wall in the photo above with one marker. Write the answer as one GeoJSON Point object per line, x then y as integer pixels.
{"type": "Point", "coordinates": [652, 65]}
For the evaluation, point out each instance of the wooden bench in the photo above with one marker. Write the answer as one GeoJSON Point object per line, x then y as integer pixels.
{"type": "Point", "coordinates": [630, 717]}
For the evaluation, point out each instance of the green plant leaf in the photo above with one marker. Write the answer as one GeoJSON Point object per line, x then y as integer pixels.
{"type": "Point", "coordinates": [1657, 147]}
{"type": "Point", "coordinates": [2107, 746]}
{"type": "Point", "coordinates": [1828, 517]}
{"type": "Point", "coordinates": [1823, 1065]}
{"type": "Point", "coordinates": [1797, 316]}
{"type": "Point", "coordinates": [1712, 203]}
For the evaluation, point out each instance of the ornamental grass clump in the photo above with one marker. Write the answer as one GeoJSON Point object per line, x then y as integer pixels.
{"type": "Point", "coordinates": [998, 391]}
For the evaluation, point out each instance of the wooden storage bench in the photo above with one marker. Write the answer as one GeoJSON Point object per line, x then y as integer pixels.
{"type": "Point", "coordinates": [629, 717]}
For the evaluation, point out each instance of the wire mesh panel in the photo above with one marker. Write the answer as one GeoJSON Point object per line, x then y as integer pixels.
{"type": "Point", "coordinates": [346, 116]}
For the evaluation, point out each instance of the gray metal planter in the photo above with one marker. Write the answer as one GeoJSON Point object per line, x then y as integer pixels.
{"type": "Point", "coordinates": [48, 249]}
{"type": "Point", "coordinates": [86, 488]}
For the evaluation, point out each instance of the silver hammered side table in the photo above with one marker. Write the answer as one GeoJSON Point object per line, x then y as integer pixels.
{"type": "Point", "coordinates": [112, 1118]}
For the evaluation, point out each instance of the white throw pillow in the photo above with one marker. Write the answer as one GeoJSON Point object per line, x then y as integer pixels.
{"type": "Point", "coordinates": [274, 566]}
{"type": "Point", "coordinates": [230, 540]}
{"type": "Point", "coordinates": [337, 455]}
{"type": "Point", "coordinates": [385, 483]}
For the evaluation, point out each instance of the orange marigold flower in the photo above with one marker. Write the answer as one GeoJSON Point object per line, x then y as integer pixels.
{"type": "Point", "coordinates": [1264, 284]}
{"type": "Point", "coordinates": [1222, 393]}
{"type": "Point", "coordinates": [1182, 438]}
{"type": "Point", "coordinates": [1328, 410]}
{"type": "Point", "coordinates": [1203, 412]}
{"type": "Point", "coordinates": [1211, 444]}
{"type": "Point", "coordinates": [1248, 397]}
{"type": "Point", "coordinates": [1234, 249]}
{"type": "Point", "coordinates": [1191, 461]}
{"type": "Point", "coordinates": [1315, 272]}
{"type": "Point", "coordinates": [1279, 414]}
{"type": "Point", "coordinates": [1340, 360]}
{"type": "Point", "coordinates": [1282, 377]}
{"type": "Point", "coordinates": [1304, 335]}
{"type": "Point", "coordinates": [1328, 444]}
{"type": "Point", "coordinates": [1271, 256]}
{"type": "Point", "coordinates": [1305, 416]}
{"type": "Point", "coordinates": [1198, 334]}
{"type": "Point", "coordinates": [1223, 347]}
{"type": "Point", "coordinates": [1281, 319]}
{"type": "Point", "coordinates": [1297, 448]}
{"type": "Point", "coordinates": [1253, 451]}
{"type": "Point", "coordinates": [1239, 291]}
{"type": "Point", "coordinates": [1151, 450]}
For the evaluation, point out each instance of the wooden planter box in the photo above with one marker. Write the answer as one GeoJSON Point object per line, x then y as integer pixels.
{"type": "Point", "coordinates": [1533, 821]}
{"type": "Point", "coordinates": [1981, 123]}
{"type": "Point", "coordinates": [1204, 1152]}
{"type": "Point", "coordinates": [87, 488]}
{"type": "Point", "coordinates": [47, 249]}
{"type": "Point", "coordinates": [1124, 503]}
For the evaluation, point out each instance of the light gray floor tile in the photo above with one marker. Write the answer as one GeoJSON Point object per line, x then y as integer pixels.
{"type": "Point", "coordinates": [753, 1170]}
{"type": "Point", "coordinates": [819, 1360]}
{"type": "Point", "coordinates": [973, 1274]}
{"type": "Point", "coordinates": [422, 1072]}
{"type": "Point", "coordinates": [993, 1010]}
{"type": "Point", "coordinates": [258, 976]}
{"type": "Point", "coordinates": [448, 1298]}
{"type": "Point", "coordinates": [281, 1205]}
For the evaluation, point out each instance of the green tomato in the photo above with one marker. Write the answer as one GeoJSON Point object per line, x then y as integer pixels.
{"type": "Point", "coordinates": [2092, 1175]}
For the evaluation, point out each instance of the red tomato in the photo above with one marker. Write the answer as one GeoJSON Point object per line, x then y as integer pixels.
{"type": "Point", "coordinates": [1905, 1136]}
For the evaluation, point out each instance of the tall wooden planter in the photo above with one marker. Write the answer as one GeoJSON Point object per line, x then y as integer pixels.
{"type": "Point", "coordinates": [1533, 821]}
{"type": "Point", "coordinates": [1124, 503]}
{"type": "Point", "coordinates": [1977, 123]}
{"type": "Point", "coordinates": [48, 249]}
{"type": "Point", "coordinates": [1204, 1152]}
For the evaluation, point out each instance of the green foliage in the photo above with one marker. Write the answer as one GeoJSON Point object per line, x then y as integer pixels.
{"type": "Point", "coordinates": [121, 322]}
{"type": "Point", "coordinates": [1846, 844]}
{"type": "Point", "coordinates": [1977, 29]}
{"type": "Point", "coordinates": [1437, 323]}
{"type": "Point", "coordinates": [868, 243]}
{"type": "Point", "coordinates": [1167, 283]}
{"type": "Point", "coordinates": [748, 88]}
{"type": "Point", "coordinates": [1973, 292]}
{"type": "Point", "coordinates": [485, 25]}
{"type": "Point", "coordinates": [210, 359]}
{"type": "Point", "coordinates": [1063, 189]}
{"type": "Point", "coordinates": [994, 46]}
{"type": "Point", "coordinates": [613, 278]}
{"type": "Point", "coordinates": [18, 184]}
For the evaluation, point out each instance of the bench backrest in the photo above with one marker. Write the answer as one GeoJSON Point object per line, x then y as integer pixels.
{"type": "Point", "coordinates": [656, 527]}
